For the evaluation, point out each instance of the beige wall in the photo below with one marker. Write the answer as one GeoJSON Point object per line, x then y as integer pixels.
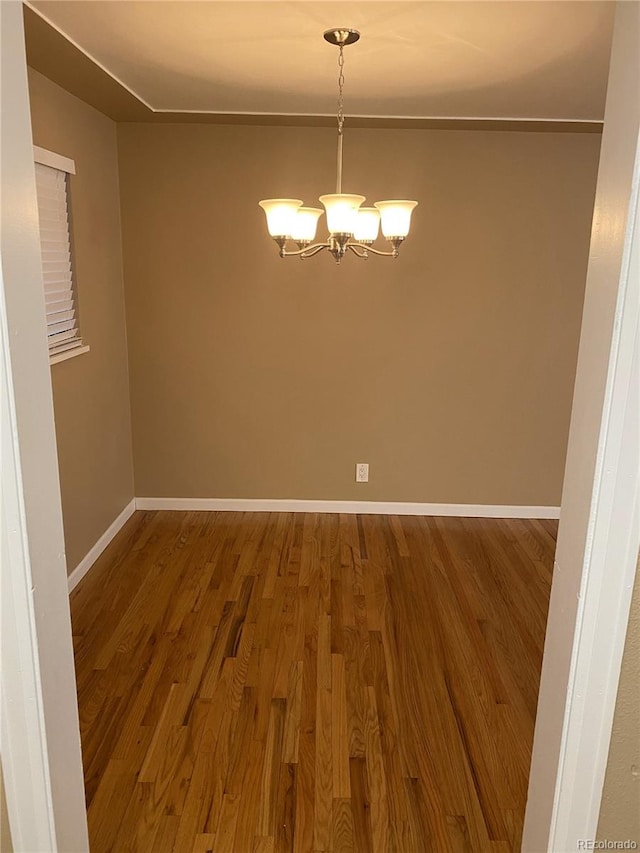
{"type": "Point", "coordinates": [620, 809]}
{"type": "Point", "coordinates": [91, 392]}
{"type": "Point", "coordinates": [449, 370]}
{"type": "Point", "coordinates": [5, 833]}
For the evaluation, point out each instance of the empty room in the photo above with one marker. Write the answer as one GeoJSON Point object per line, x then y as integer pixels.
{"type": "Point", "coordinates": [321, 508]}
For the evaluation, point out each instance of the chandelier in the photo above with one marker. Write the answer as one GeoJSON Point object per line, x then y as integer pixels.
{"type": "Point", "coordinates": [351, 227]}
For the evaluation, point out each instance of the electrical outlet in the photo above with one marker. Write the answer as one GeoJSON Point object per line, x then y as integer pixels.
{"type": "Point", "coordinates": [362, 472]}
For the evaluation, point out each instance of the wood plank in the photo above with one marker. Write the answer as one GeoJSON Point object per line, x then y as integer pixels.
{"type": "Point", "coordinates": [323, 773]}
{"type": "Point", "coordinates": [271, 770]}
{"type": "Point", "coordinates": [360, 806]}
{"type": "Point", "coordinates": [342, 829]}
{"type": "Point", "coordinates": [224, 840]}
{"type": "Point", "coordinates": [285, 828]}
{"type": "Point", "coordinates": [293, 712]}
{"type": "Point", "coordinates": [339, 730]}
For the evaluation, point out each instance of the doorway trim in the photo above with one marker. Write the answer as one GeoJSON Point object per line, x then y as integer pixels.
{"type": "Point", "coordinates": [599, 531]}
{"type": "Point", "coordinates": [40, 735]}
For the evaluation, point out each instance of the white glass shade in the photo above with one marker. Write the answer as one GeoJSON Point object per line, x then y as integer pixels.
{"type": "Point", "coordinates": [281, 215]}
{"type": "Point", "coordinates": [367, 225]}
{"type": "Point", "coordinates": [305, 223]}
{"type": "Point", "coordinates": [342, 212]}
{"type": "Point", "coordinates": [395, 216]}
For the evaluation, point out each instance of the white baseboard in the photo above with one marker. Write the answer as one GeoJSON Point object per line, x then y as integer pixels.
{"type": "Point", "coordinates": [268, 505]}
{"type": "Point", "coordinates": [89, 559]}
{"type": "Point", "coordinates": [363, 507]}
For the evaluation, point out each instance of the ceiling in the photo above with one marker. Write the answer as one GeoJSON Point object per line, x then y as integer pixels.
{"type": "Point", "coordinates": [523, 60]}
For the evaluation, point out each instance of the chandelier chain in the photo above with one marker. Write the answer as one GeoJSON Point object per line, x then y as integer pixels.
{"type": "Point", "coordinates": [340, 90]}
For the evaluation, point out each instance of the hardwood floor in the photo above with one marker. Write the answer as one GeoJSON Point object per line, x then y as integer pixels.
{"type": "Point", "coordinates": [286, 682]}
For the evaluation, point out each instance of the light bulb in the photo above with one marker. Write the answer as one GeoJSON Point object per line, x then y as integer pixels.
{"type": "Point", "coordinates": [305, 224]}
{"type": "Point", "coordinates": [367, 225]}
{"type": "Point", "coordinates": [281, 215]}
{"type": "Point", "coordinates": [395, 216]}
{"type": "Point", "coordinates": [342, 212]}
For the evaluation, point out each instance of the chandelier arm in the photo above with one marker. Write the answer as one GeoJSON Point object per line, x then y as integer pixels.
{"type": "Point", "coordinates": [364, 254]}
{"type": "Point", "coordinates": [313, 250]}
{"type": "Point", "coordinates": [393, 254]}
{"type": "Point", "coordinates": [306, 252]}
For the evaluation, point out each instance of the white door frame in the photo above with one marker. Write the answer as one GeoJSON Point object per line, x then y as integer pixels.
{"type": "Point", "coordinates": [599, 531]}
{"type": "Point", "coordinates": [25, 762]}
{"type": "Point", "coordinates": [40, 737]}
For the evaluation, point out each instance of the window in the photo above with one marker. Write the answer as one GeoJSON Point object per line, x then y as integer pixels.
{"type": "Point", "coordinates": [63, 333]}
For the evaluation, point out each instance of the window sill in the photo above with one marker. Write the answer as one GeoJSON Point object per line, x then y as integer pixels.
{"type": "Point", "coordinates": [70, 353]}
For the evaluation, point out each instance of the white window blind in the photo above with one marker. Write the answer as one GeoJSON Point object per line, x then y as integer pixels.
{"type": "Point", "coordinates": [55, 244]}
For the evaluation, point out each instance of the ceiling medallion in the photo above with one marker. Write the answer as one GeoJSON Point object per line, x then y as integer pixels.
{"type": "Point", "coordinates": [351, 227]}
